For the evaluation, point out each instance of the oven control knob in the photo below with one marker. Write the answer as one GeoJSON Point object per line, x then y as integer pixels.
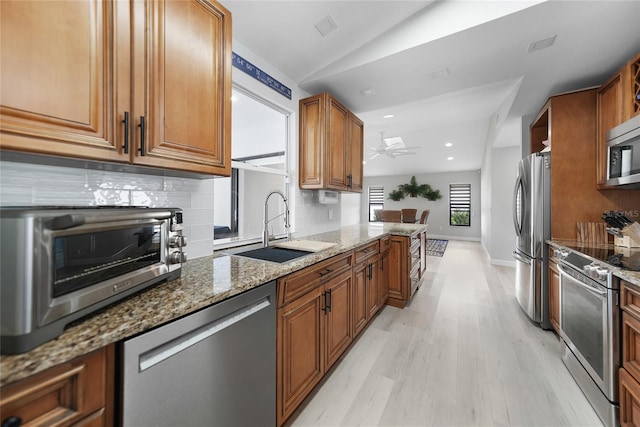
{"type": "Point", "coordinates": [177, 241]}
{"type": "Point", "coordinates": [588, 269]}
{"type": "Point", "coordinates": [178, 258]}
{"type": "Point", "coordinates": [602, 273]}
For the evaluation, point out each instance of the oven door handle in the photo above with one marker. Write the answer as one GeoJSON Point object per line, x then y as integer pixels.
{"type": "Point", "coordinates": [586, 286]}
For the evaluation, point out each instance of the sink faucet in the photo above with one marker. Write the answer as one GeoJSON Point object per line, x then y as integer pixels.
{"type": "Point", "coordinates": [265, 230]}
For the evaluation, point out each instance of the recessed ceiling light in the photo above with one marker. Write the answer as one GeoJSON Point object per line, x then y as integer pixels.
{"type": "Point", "coordinates": [388, 116]}
{"type": "Point", "coordinates": [368, 92]}
{"type": "Point", "coordinates": [326, 26]}
{"type": "Point", "coordinates": [448, 144]}
{"type": "Point", "coordinates": [364, 162]}
{"type": "Point", "coordinates": [439, 74]}
{"type": "Point", "coordinates": [541, 44]}
{"type": "Point", "coordinates": [449, 158]}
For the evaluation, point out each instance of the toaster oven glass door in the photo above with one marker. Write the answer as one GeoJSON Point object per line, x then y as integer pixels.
{"type": "Point", "coordinates": [82, 260]}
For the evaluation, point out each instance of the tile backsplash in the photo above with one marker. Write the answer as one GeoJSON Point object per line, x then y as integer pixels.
{"type": "Point", "coordinates": [31, 184]}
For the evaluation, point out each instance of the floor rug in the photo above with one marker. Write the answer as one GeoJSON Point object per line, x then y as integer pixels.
{"type": "Point", "coordinates": [436, 247]}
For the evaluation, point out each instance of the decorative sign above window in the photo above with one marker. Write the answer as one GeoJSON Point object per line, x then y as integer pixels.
{"type": "Point", "coordinates": [255, 72]}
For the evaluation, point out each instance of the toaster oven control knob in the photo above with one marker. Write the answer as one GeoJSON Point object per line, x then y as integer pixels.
{"type": "Point", "coordinates": [178, 258]}
{"type": "Point", "coordinates": [177, 241]}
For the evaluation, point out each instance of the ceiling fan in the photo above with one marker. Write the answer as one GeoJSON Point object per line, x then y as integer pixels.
{"type": "Point", "coordinates": [391, 147]}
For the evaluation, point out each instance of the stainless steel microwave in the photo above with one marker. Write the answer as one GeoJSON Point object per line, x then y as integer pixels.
{"type": "Point", "coordinates": [62, 263]}
{"type": "Point", "coordinates": [623, 143]}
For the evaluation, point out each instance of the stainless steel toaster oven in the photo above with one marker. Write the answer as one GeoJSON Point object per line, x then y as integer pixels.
{"type": "Point", "coordinates": [62, 263]}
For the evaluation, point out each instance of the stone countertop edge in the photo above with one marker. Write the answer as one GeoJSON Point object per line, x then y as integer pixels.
{"type": "Point", "coordinates": [632, 277]}
{"type": "Point", "coordinates": [204, 281]}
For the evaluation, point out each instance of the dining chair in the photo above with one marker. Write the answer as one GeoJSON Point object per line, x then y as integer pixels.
{"type": "Point", "coordinates": [391, 216]}
{"type": "Point", "coordinates": [409, 215]}
{"type": "Point", "coordinates": [424, 216]}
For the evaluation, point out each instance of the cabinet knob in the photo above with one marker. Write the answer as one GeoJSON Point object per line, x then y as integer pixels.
{"type": "Point", "coordinates": [12, 422]}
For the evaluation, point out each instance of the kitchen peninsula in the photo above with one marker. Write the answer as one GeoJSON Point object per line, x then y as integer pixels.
{"type": "Point", "coordinates": [204, 282]}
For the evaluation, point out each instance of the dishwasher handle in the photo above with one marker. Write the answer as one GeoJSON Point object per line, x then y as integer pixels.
{"type": "Point", "coordinates": [152, 357]}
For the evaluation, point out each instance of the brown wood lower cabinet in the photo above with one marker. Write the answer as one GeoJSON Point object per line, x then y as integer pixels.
{"type": "Point", "coordinates": [314, 328]}
{"type": "Point", "coordinates": [407, 266]}
{"type": "Point", "coordinates": [321, 309]}
{"type": "Point", "coordinates": [629, 373]}
{"type": "Point", "coordinates": [79, 392]}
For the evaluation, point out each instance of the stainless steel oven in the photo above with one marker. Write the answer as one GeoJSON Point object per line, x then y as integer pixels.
{"type": "Point", "coordinates": [590, 329]}
{"type": "Point", "coordinates": [59, 264]}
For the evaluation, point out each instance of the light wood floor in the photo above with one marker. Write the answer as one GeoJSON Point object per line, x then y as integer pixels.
{"type": "Point", "coordinates": [462, 353]}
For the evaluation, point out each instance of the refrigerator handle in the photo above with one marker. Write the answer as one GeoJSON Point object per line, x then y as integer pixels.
{"type": "Point", "coordinates": [516, 225]}
{"type": "Point", "coordinates": [520, 258]}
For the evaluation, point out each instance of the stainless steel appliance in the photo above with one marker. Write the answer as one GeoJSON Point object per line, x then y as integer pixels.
{"type": "Point", "coordinates": [590, 329]}
{"type": "Point", "coordinates": [532, 219]}
{"type": "Point", "coordinates": [623, 143]}
{"type": "Point", "coordinates": [62, 263]}
{"type": "Point", "coordinates": [216, 367]}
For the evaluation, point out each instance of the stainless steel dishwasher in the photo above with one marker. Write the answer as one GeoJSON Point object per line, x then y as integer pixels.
{"type": "Point", "coordinates": [215, 367]}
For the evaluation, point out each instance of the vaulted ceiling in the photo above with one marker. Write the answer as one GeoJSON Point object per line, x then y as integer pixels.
{"type": "Point", "coordinates": [464, 72]}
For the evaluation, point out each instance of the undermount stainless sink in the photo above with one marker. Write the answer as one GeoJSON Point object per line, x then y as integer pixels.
{"type": "Point", "coordinates": [273, 254]}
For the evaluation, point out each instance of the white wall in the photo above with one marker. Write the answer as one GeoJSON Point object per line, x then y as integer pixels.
{"type": "Point", "coordinates": [438, 221]}
{"type": "Point", "coordinates": [351, 205]}
{"type": "Point", "coordinates": [503, 179]}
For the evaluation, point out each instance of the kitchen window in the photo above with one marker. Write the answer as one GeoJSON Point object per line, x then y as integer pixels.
{"type": "Point", "coordinates": [376, 202]}
{"type": "Point", "coordinates": [460, 205]}
{"type": "Point", "coordinates": [260, 138]}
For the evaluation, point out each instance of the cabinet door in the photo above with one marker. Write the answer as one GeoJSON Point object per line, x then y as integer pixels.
{"type": "Point", "coordinates": [62, 77]}
{"type": "Point", "coordinates": [337, 137]}
{"type": "Point", "coordinates": [300, 355]}
{"type": "Point", "coordinates": [383, 279]}
{"type": "Point", "coordinates": [356, 141]}
{"type": "Point", "coordinates": [398, 271]}
{"type": "Point", "coordinates": [373, 299]}
{"type": "Point", "coordinates": [554, 296]}
{"type": "Point", "coordinates": [310, 141]}
{"type": "Point", "coordinates": [182, 65]}
{"type": "Point", "coordinates": [338, 317]}
{"type": "Point", "coordinates": [629, 399]}
{"type": "Point", "coordinates": [360, 274]}
{"type": "Point", "coordinates": [610, 113]}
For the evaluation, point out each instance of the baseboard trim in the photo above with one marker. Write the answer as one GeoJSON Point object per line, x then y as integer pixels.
{"type": "Point", "coordinates": [444, 237]}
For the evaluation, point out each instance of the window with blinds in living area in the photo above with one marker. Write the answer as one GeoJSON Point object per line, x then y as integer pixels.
{"type": "Point", "coordinates": [460, 204]}
{"type": "Point", "coordinates": [376, 202]}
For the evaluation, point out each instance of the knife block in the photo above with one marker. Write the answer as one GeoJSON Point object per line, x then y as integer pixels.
{"type": "Point", "coordinates": [631, 237]}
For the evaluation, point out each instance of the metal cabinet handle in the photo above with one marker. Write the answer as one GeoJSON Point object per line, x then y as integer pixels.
{"type": "Point", "coordinates": [142, 129]}
{"type": "Point", "coordinates": [125, 121]}
{"type": "Point", "coordinates": [330, 299]}
{"type": "Point", "coordinates": [324, 273]}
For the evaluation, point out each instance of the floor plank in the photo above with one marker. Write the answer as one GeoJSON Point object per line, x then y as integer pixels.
{"type": "Point", "coordinates": [461, 353]}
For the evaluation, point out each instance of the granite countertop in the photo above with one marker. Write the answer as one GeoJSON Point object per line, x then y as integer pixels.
{"type": "Point", "coordinates": [588, 249]}
{"type": "Point", "coordinates": [204, 281]}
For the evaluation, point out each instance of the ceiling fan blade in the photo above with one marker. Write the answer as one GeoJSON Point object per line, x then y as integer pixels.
{"type": "Point", "coordinates": [374, 156]}
{"type": "Point", "coordinates": [393, 146]}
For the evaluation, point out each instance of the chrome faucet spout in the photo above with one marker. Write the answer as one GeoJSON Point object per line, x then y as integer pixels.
{"type": "Point", "coordinates": [265, 229]}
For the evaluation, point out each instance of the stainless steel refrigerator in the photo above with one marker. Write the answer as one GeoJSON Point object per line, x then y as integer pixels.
{"type": "Point", "coordinates": [532, 222]}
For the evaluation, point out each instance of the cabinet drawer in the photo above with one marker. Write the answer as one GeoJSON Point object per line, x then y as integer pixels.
{"type": "Point", "coordinates": [72, 393]}
{"type": "Point", "coordinates": [629, 390]}
{"type": "Point", "coordinates": [415, 244]}
{"type": "Point", "coordinates": [296, 284]}
{"type": "Point", "coordinates": [364, 252]}
{"type": "Point", "coordinates": [385, 243]}
{"type": "Point", "coordinates": [630, 298]}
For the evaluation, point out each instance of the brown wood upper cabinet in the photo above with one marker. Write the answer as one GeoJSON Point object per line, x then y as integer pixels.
{"type": "Point", "coordinates": [331, 145]}
{"type": "Point", "coordinates": [140, 82]}
{"type": "Point", "coordinates": [618, 100]}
